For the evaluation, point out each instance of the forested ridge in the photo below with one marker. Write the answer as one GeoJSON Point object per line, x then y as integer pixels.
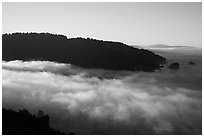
{"type": "Point", "coordinates": [84, 52]}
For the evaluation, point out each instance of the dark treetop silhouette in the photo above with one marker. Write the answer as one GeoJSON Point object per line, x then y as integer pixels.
{"type": "Point", "coordinates": [24, 123]}
{"type": "Point", "coordinates": [88, 53]}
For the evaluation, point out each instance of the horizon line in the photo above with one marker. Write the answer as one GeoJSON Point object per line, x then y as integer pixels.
{"type": "Point", "coordinates": [132, 45]}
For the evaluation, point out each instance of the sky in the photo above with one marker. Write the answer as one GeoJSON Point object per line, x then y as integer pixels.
{"type": "Point", "coordinates": [176, 24]}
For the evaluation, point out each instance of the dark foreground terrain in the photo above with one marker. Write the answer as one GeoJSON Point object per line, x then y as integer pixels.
{"type": "Point", "coordinates": [24, 123]}
{"type": "Point", "coordinates": [87, 53]}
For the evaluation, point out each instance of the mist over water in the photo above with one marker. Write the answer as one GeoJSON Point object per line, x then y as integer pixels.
{"type": "Point", "coordinates": [95, 101]}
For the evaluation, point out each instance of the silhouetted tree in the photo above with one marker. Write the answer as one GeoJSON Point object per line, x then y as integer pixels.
{"type": "Point", "coordinates": [24, 123]}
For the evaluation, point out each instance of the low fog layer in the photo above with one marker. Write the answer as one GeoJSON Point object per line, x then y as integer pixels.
{"type": "Point", "coordinates": [85, 102]}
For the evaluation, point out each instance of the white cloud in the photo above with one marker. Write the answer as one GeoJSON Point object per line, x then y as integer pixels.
{"type": "Point", "coordinates": [132, 97]}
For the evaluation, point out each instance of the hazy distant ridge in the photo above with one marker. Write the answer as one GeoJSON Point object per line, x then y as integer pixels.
{"type": "Point", "coordinates": [168, 46]}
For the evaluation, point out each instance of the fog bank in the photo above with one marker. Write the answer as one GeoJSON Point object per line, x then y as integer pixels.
{"type": "Point", "coordinates": [137, 102]}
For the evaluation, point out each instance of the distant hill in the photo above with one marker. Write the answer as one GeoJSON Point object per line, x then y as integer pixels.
{"type": "Point", "coordinates": [87, 53]}
{"type": "Point", "coordinates": [159, 46]}
{"type": "Point", "coordinates": [163, 46]}
{"type": "Point", "coordinates": [166, 50]}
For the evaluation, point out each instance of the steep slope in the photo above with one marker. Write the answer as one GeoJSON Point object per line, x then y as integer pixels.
{"type": "Point", "coordinates": [88, 53]}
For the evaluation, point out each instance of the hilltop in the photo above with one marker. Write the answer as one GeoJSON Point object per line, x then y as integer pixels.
{"type": "Point", "coordinates": [84, 52]}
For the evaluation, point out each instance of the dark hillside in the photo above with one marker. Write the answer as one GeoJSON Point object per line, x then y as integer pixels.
{"type": "Point", "coordinates": [88, 53]}
{"type": "Point", "coordinates": [24, 123]}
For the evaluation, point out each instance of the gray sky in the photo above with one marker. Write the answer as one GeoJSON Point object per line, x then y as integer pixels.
{"type": "Point", "coordinates": [130, 23]}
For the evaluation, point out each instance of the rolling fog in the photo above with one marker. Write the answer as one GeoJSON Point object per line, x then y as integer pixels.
{"type": "Point", "coordinates": [94, 101]}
